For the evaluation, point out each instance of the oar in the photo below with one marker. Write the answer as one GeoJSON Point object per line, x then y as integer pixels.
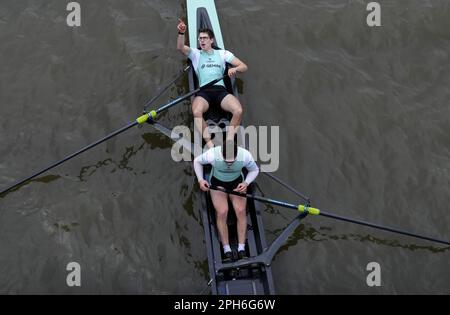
{"type": "Point", "coordinates": [165, 88]}
{"type": "Point", "coordinates": [287, 186]}
{"type": "Point", "coordinates": [315, 211]}
{"type": "Point", "coordinates": [140, 120]}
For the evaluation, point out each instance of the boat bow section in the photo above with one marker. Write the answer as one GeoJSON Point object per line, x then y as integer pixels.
{"type": "Point", "coordinates": [203, 14]}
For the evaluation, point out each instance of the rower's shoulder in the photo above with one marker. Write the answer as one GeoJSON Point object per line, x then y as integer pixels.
{"type": "Point", "coordinates": [243, 149]}
{"type": "Point", "coordinates": [224, 51]}
{"type": "Point", "coordinates": [212, 151]}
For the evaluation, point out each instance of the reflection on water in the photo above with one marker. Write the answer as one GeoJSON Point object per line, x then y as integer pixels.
{"type": "Point", "coordinates": [323, 234]}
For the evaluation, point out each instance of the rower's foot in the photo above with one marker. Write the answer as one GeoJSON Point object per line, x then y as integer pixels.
{"type": "Point", "coordinates": [228, 255]}
{"type": "Point", "coordinates": [242, 254]}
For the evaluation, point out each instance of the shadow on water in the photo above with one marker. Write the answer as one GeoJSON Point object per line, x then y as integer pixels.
{"type": "Point", "coordinates": [44, 179]}
{"type": "Point", "coordinates": [312, 234]}
{"type": "Point", "coordinates": [188, 194]}
{"type": "Point", "coordinates": [154, 140]}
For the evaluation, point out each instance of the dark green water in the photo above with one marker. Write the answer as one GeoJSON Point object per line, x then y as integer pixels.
{"type": "Point", "coordinates": [363, 115]}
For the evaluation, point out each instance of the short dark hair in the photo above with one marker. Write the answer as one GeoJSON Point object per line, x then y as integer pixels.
{"type": "Point", "coordinates": [207, 31]}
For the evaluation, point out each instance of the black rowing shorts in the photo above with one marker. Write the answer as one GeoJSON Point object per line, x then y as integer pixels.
{"type": "Point", "coordinates": [227, 185]}
{"type": "Point", "coordinates": [214, 95]}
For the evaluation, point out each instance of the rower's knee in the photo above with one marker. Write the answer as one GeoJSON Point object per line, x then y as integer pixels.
{"type": "Point", "coordinates": [198, 113]}
{"type": "Point", "coordinates": [199, 108]}
{"type": "Point", "coordinates": [241, 212]}
{"type": "Point", "coordinates": [222, 213]}
{"type": "Point", "coordinates": [237, 111]}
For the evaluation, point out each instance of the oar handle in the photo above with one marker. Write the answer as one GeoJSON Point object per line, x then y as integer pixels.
{"type": "Point", "coordinates": [300, 208]}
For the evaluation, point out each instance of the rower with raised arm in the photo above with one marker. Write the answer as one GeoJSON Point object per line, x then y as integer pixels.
{"type": "Point", "coordinates": [209, 64]}
{"type": "Point", "coordinates": [227, 163]}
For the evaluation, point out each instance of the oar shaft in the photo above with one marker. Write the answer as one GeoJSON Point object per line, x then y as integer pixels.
{"type": "Point", "coordinates": [188, 95]}
{"type": "Point", "coordinates": [287, 186]}
{"type": "Point", "coordinates": [152, 114]}
{"type": "Point", "coordinates": [258, 198]}
{"type": "Point", "coordinates": [315, 211]}
{"type": "Point", "coordinates": [139, 120]}
{"type": "Point", "coordinates": [165, 88]}
{"type": "Point", "coordinates": [381, 227]}
{"type": "Point", "coordinates": [71, 156]}
{"type": "Point", "coordinates": [273, 202]}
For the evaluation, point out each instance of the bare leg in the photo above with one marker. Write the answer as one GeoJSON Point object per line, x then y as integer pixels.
{"type": "Point", "coordinates": [240, 205]}
{"type": "Point", "coordinates": [199, 107]}
{"type": "Point", "coordinates": [231, 104]}
{"type": "Point", "coordinates": [220, 202]}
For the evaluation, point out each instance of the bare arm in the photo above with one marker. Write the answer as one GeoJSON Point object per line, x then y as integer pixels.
{"type": "Point", "coordinates": [239, 65]}
{"type": "Point", "coordinates": [180, 41]}
{"type": "Point", "coordinates": [181, 46]}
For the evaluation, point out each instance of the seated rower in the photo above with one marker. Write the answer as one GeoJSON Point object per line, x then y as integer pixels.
{"type": "Point", "coordinates": [227, 163]}
{"type": "Point", "coordinates": [210, 64]}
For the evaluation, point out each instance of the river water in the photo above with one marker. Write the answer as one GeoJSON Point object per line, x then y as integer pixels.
{"type": "Point", "coordinates": [363, 115]}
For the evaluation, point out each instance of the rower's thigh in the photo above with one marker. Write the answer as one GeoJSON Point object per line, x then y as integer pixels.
{"type": "Point", "coordinates": [231, 104]}
{"type": "Point", "coordinates": [220, 201]}
{"type": "Point", "coordinates": [199, 106]}
{"type": "Point", "coordinates": [239, 204]}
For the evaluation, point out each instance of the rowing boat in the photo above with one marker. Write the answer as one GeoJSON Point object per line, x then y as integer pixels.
{"type": "Point", "coordinates": [252, 279]}
{"type": "Point", "coordinates": [252, 275]}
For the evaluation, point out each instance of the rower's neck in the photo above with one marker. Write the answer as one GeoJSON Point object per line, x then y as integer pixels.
{"type": "Point", "coordinates": [209, 52]}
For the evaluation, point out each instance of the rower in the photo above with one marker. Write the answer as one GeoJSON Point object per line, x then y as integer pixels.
{"type": "Point", "coordinates": [210, 63]}
{"type": "Point", "coordinates": [227, 163]}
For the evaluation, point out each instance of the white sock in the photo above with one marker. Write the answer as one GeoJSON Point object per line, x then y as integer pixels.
{"type": "Point", "coordinates": [241, 247]}
{"type": "Point", "coordinates": [226, 248]}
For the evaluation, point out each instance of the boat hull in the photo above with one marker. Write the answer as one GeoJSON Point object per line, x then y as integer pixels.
{"type": "Point", "coordinates": [255, 279]}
